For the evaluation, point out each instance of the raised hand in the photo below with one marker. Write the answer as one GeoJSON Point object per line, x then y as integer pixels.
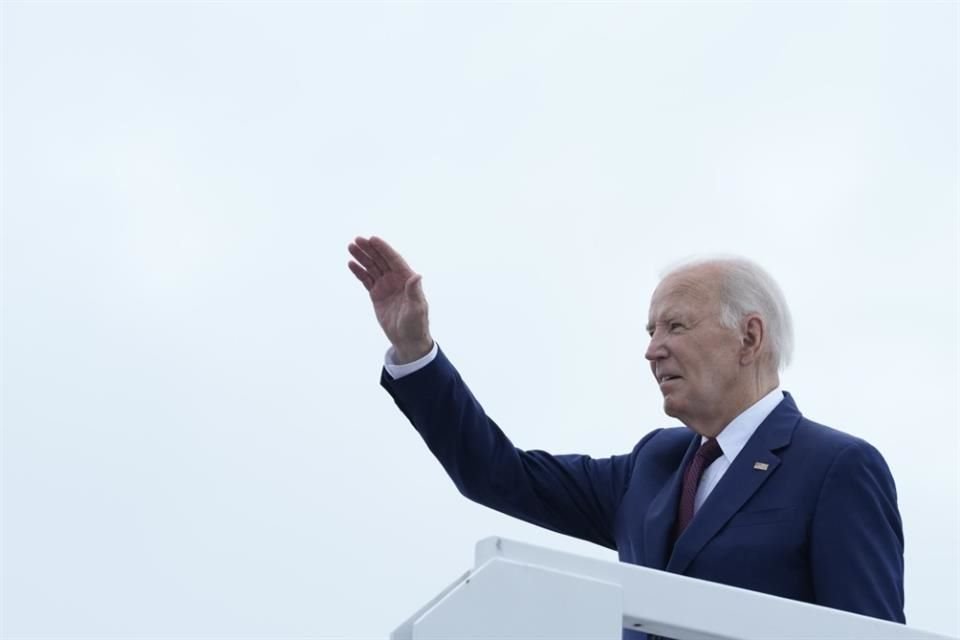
{"type": "Point", "coordinates": [397, 296]}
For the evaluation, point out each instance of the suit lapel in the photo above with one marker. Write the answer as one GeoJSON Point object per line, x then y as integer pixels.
{"type": "Point", "coordinates": [738, 484]}
{"type": "Point", "coordinates": [659, 520]}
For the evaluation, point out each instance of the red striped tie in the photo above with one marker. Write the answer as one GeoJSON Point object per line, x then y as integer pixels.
{"type": "Point", "coordinates": [706, 454]}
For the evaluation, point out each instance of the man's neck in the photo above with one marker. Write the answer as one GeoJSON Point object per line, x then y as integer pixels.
{"type": "Point", "coordinates": [750, 396]}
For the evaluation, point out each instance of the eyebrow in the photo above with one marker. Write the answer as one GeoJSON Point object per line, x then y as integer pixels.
{"type": "Point", "coordinates": [671, 314]}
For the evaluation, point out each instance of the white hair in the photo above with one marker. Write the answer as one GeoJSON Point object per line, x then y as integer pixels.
{"type": "Point", "coordinates": [745, 288]}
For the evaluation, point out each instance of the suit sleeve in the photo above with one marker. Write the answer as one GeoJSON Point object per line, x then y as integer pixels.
{"type": "Point", "coordinates": [857, 537]}
{"type": "Point", "coordinates": [572, 494]}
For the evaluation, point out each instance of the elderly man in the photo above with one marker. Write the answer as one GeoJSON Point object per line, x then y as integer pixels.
{"type": "Point", "coordinates": [748, 493]}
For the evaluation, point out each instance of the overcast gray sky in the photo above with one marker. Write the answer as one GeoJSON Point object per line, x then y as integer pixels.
{"type": "Point", "coordinates": [194, 442]}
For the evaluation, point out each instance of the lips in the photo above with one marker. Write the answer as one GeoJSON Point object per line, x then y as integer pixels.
{"type": "Point", "coordinates": [667, 378]}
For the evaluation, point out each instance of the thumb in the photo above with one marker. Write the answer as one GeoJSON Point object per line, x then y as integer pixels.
{"type": "Point", "coordinates": [413, 289]}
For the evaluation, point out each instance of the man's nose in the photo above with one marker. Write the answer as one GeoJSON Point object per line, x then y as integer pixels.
{"type": "Point", "coordinates": [655, 350]}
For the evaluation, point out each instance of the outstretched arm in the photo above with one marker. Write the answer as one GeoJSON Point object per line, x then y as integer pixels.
{"type": "Point", "coordinates": [576, 495]}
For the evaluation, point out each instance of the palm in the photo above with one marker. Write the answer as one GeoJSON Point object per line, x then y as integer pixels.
{"type": "Point", "coordinates": [394, 312]}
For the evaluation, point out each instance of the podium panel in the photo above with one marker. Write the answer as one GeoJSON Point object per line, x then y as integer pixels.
{"type": "Point", "coordinates": [485, 606]}
{"type": "Point", "coordinates": [518, 592]}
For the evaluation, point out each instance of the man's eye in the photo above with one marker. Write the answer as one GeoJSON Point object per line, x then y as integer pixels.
{"type": "Point", "coordinates": [675, 326]}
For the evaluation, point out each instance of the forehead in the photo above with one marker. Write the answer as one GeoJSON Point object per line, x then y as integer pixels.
{"type": "Point", "coordinates": [692, 291]}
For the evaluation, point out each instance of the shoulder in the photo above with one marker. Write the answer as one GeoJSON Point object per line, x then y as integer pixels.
{"type": "Point", "coordinates": [842, 462]}
{"type": "Point", "coordinates": [669, 437]}
{"type": "Point", "coordinates": [663, 447]}
{"type": "Point", "coordinates": [829, 442]}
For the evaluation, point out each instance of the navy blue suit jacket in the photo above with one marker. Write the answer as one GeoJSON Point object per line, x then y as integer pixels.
{"type": "Point", "coordinates": [820, 524]}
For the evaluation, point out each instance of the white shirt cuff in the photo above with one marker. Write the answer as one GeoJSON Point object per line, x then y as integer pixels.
{"type": "Point", "coordinates": [399, 370]}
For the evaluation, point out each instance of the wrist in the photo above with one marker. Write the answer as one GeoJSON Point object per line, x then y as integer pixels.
{"type": "Point", "coordinates": [410, 352]}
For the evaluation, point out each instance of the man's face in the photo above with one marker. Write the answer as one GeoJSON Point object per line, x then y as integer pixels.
{"type": "Point", "coordinates": [694, 359]}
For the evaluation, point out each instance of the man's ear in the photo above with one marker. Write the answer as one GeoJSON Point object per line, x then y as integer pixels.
{"type": "Point", "coordinates": [752, 339]}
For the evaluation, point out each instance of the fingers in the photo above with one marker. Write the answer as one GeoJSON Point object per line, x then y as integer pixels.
{"type": "Point", "coordinates": [374, 252]}
{"type": "Point", "coordinates": [361, 274]}
{"type": "Point", "coordinates": [364, 258]}
{"type": "Point", "coordinates": [375, 258]}
{"type": "Point", "coordinates": [387, 256]}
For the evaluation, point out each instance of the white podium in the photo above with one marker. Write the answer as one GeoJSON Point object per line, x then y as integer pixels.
{"type": "Point", "coordinates": [518, 591]}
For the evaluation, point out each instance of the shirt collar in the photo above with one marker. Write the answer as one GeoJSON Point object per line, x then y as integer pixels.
{"type": "Point", "coordinates": [735, 435]}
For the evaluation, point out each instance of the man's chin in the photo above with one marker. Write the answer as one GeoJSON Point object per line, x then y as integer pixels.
{"type": "Point", "coordinates": [669, 407]}
{"type": "Point", "coordinates": [672, 407]}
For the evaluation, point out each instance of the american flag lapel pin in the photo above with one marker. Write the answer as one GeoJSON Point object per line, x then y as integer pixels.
{"type": "Point", "coordinates": [761, 466]}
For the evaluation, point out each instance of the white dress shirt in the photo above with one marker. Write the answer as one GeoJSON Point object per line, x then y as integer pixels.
{"type": "Point", "coordinates": [731, 440]}
{"type": "Point", "coordinates": [399, 370]}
